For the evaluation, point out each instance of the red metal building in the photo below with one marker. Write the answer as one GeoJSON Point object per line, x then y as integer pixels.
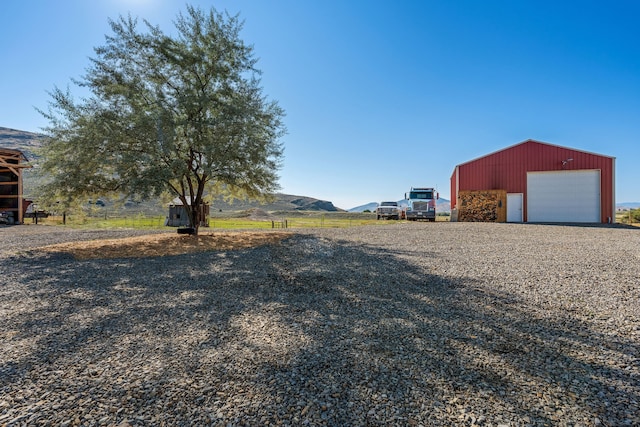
{"type": "Point", "coordinates": [544, 182]}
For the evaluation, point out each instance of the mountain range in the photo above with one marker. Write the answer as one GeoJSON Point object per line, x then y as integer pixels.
{"type": "Point", "coordinates": [29, 142]}
{"type": "Point", "coordinates": [442, 205]}
{"type": "Point", "coordinates": [281, 203]}
{"type": "Point", "coordinates": [628, 205]}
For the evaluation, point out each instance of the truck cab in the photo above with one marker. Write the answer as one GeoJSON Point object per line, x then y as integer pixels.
{"type": "Point", "coordinates": [389, 210]}
{"type": "Point", "coordinates": [421, 204]}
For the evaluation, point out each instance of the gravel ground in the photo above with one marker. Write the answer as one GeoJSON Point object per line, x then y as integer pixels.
{"type": "Point", "coordinates": [433, 324]}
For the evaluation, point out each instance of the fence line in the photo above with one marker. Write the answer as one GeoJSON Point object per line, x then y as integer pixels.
{"type": "Point", "coordinates": [106, 220]}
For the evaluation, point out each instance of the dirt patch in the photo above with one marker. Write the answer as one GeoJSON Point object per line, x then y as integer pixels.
{"type": "Point", "coordinates": [256, 214]}
{"type": "Point", "coordinates": [157, 245]}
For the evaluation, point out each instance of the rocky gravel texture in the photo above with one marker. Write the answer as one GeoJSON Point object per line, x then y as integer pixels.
{"type": "Point", "coordinates": [405, 324]}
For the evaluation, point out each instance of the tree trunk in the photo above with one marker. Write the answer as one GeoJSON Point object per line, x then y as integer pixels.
{"type": "Point", "coordinates": [194, 218]}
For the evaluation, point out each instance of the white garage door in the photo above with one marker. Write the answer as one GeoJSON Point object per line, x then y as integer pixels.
{"type": "Point", "coordinates": [563, 196]}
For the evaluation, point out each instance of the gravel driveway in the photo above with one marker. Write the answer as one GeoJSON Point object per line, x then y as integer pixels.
{"type": "Point", "coordinates": [405, 324]}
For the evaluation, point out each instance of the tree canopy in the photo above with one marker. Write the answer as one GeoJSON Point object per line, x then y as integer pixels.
{"type": "Point", "coordinates": [182, 114]}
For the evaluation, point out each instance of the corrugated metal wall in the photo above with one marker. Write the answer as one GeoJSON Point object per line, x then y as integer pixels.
{"type": "Point", "coordinates": [507, 170]}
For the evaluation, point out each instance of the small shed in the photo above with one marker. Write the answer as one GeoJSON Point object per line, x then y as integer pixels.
{"type": "Point", "coordinates": [178, 216]}
{"type": "Point", "coordinates": [12, 206]}
{"type": "Point", "coordinates": [535, 181]}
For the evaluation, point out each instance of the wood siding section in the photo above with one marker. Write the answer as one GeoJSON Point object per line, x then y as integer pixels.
{"type": "Point", "coordinates": [507, 170]}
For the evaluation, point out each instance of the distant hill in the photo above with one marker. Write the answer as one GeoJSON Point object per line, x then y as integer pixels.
{"type": "Point", "coordinates": [368, 207]}
{"type": "Point", "coordinates": [282, 202]}
{"type": "Point", "coordinates": [628, 205]}
{"type": "Point", "coordinates": [27, 142]}
{"type": "Point", "coordinates": [442, 205]}
{"type": "Point", "coordinates": [30, 142]}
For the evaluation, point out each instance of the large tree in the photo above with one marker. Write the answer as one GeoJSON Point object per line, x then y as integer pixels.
{"type": "Point", "coordinates": [182, 114]}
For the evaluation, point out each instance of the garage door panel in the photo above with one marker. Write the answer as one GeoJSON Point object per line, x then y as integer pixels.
{"type": "Point", "coordinates": [563, 196]}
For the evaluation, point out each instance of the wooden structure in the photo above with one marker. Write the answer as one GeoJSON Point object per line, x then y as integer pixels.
{"type": "Point", "coordinates": [482, 206]}
{"type": "Point", "coordinates": [543, 183]}
{"type": "Point", "coordinates": [12, 162]}
{"type": "Point", "coordinates": [178, 216]}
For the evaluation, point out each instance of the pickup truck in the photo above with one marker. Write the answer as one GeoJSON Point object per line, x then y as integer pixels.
{"type": "Point", "coordinates": [389, 210]}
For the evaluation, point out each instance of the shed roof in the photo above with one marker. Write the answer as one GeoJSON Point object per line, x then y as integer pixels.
{"type": "Point", "coordinates": [178, 202]}
{"type": "Point", "coordinates": [13, 153]}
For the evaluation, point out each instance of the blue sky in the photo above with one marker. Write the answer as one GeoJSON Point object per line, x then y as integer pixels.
{"type": "Point", "coordinates": [383, 95]}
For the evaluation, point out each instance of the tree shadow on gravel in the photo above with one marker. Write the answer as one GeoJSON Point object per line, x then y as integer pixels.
{"type": "Point", "coordinates": [312, 331]}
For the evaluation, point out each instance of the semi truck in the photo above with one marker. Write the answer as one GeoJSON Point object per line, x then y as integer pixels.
{"type": "Point", "coordinates": [421, 204]}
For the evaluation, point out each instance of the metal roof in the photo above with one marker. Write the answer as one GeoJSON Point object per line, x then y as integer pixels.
{"type": "Point", "coordinates": [529, 141]}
